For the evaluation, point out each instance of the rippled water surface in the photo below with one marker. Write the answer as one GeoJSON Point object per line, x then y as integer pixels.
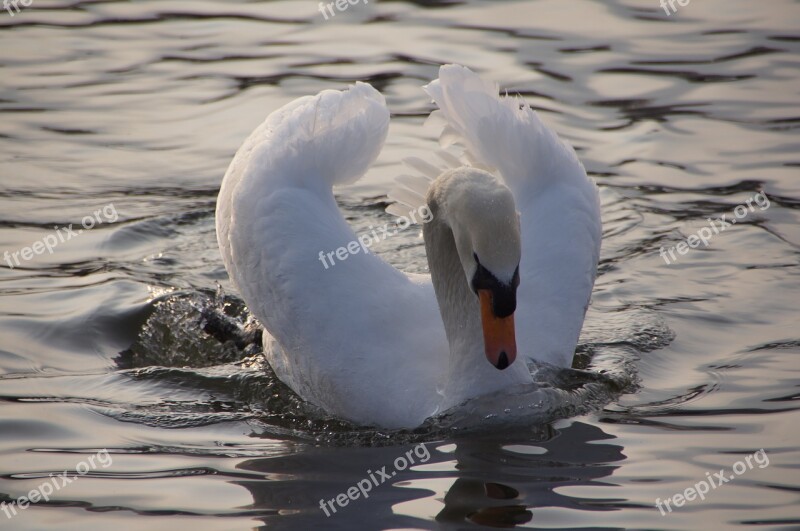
{"type": "Point", "coordinates": [130, 112]}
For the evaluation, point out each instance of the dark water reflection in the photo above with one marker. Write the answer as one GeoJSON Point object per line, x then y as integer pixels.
{"type": "Point", "coordinates": [532, 468]}
{"type": "Point", "coordinates": [106, 342]}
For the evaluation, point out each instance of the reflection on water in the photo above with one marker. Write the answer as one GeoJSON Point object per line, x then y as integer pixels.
{"type": "Point", "coordinates": [130, 337]}
{"type": "Point", "coordinates": [531, 468]}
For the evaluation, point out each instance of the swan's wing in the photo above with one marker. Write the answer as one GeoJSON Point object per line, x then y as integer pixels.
{"type": "Point", "coordinates": [357, 336]}
{"type": "Point", "coordinates": [409, 190]}
{"type": "Point", "coordinates": [559, 206]}
{"type": "Point", "coordinates": [295, 143]}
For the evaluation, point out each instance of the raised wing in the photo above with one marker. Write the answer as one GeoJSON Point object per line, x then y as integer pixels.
{"type": "Point", "coordinates": [559, 206]}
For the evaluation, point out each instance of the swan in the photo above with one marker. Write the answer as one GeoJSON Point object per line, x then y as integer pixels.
{"type": "Point", "coordinates": [512, 247]}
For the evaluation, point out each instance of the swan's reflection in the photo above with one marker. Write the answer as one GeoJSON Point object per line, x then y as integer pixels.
{"type": "Point", "coordinates": [471, 499]}
{"type": "Point", "coordinates": [496, 481]}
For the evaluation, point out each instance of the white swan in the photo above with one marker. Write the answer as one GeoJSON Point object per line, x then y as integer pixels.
{"type": "Point", "coordinates": [367, 342]}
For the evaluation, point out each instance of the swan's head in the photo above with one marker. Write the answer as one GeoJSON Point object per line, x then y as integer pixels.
{"type": "Point", "coordinates": [483, 218]}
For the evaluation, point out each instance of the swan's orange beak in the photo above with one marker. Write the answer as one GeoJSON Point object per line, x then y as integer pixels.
{"type": "Point", "coordinates": [498, 333]}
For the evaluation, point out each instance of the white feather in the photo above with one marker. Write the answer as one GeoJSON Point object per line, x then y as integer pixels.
{"type": "Point", "coordinates": [354, 335]}
{"type": "Point", "coordinates": [559, 206]}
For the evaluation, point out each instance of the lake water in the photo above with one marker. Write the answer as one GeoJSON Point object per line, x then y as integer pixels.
{"type": "Point", "coordinates": [125, 116]}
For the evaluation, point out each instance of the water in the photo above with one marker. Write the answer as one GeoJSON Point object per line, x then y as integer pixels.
{"type": "Point", "coordinates": [133, 110]}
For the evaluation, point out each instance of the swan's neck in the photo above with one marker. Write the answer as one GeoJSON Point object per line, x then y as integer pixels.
{"type": "Point", "coordinates": [469, 372]}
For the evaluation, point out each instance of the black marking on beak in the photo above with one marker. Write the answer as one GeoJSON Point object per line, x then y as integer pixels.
{"type": "Point", "coordinates": [504, 296]}
{"type": "Point", "coordinates": [502, 361]}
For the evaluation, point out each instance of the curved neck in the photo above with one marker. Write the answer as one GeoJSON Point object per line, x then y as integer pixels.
{"type": "Point", "coordinates": [469, 373]}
